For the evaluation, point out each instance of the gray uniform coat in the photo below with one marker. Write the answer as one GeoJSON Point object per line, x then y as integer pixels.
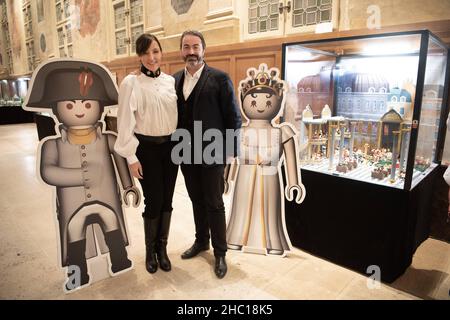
{"type": "Point", "coordinates": [86, 187]}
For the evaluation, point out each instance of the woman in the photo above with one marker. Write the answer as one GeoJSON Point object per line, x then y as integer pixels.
{"type": "Point", "coordinates": [146, 118]}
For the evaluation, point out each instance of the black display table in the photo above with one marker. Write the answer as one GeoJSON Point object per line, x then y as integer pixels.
{"type": "Point", "coordinates": [14, 114]}
{"type": "Point", "coordinates": [357, 224]}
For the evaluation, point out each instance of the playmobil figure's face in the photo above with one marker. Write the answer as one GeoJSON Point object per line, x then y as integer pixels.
{"type": "Point", "coordinates": [78, 113]}
{"type": "Point", "coordinates": [261, 105]}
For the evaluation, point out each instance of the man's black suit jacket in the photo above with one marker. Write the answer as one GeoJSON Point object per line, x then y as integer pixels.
{"type": "Point", "coordinates": [214, 103]}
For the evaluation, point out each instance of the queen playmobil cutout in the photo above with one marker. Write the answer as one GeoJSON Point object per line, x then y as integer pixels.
{"type": "Point", "coordinates": [257, 222]}
{"type": "Point", "coordinates": [81, 163]}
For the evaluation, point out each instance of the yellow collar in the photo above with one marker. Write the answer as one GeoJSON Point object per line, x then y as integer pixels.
{"type": "Point", "coordinates": [81, 136]}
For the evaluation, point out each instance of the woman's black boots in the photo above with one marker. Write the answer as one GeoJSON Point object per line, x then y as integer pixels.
{"type": "Point", "coordinates": [151, 227]}
{"type": "Point", "coordinates": [156, 236]}
{"type": "Point", "coordinates": [164, 262]}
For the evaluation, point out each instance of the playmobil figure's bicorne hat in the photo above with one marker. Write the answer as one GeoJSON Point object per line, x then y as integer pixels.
{"type": "Point", "coordinates": [70, 79]}
{"type": "Point", "coordinates": [262, 80]}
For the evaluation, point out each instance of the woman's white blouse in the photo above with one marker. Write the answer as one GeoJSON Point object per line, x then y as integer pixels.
{"type": "Point", "coordinates": [147, 106]}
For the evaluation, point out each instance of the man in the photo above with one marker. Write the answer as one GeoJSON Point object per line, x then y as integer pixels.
{"type": "Point", "coordinates": [206, 97]}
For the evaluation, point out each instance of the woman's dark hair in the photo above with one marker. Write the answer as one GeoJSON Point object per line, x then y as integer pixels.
{"type": "Point", "coordinates": [193, 33]}
{"type": "Point", "coordinates": [143, 43]}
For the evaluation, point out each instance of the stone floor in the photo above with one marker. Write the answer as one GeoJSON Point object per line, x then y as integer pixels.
{"type": "Point", "coordinates": [29, 258]}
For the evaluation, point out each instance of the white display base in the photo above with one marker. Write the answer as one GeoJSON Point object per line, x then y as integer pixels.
{"type": "Point", "coordinates": [98, 268]}
{"type": "Point", "coordinates": [248, 249]}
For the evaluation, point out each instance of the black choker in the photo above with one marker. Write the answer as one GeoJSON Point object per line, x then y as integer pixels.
{"type": "Point", "coordinates": [150, 73]}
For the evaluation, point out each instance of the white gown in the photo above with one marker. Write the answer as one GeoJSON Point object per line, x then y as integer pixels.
{"type": "Point", "coordinates": [256, 221]}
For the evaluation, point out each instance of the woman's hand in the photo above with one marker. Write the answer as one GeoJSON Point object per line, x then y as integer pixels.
{"type": "Point", "coordinates": [136, 170]}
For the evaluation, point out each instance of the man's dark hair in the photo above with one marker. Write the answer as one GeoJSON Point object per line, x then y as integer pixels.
{"type": "Point", "coordinates": [193, 33]}
{"type": "Point", "coordinates": [143, 43]}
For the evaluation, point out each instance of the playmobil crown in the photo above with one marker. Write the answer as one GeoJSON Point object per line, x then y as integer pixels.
{"type": "Point", "coordinates": [262, 80]}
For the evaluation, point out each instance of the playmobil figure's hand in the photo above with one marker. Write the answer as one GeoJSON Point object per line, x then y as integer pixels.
{"type": "Point", "coordinates": [136, 170]}
{"type": "Point", "coordinates": [301, 193]}
{"type": "Point", "coordinates": [136, 196]}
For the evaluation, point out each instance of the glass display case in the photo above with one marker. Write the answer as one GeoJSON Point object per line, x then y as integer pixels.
{"type": "Point", "coordinates": [12, 92]}
{"type": "Point", "coordinates": [374, 105]}
{"type": "Point", "coordinates": [371, 112]}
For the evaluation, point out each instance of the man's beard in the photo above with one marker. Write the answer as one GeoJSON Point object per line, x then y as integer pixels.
{"type": "Point", "coordinates": [193, 59]}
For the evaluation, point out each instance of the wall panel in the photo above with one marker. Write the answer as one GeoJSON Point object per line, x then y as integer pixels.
{"type": "Point", "coordinates": [236, 58]}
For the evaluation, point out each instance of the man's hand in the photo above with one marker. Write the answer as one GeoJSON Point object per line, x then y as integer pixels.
{"type": "Point", "coordinates": [136, 170]}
